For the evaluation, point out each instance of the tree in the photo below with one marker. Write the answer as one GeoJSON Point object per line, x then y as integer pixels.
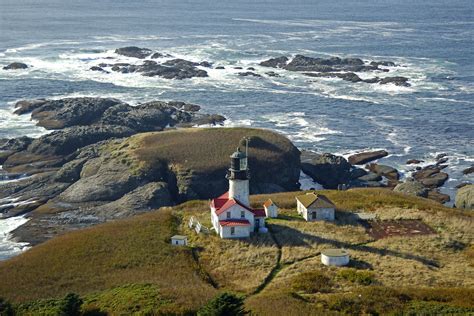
{"type": "Point", "coordinates": [6, 308]}
{"type": "Point", "coordinates": [224, 304]}
{"type": "Point", "coordinates": [70, 305]}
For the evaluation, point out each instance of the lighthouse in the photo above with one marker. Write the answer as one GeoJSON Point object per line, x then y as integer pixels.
{"type": "Point", "coordinates": [238, 176]}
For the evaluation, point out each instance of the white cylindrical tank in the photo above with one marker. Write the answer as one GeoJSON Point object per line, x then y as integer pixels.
{"type": "Point", "coordinates": [334, 257]}
{"type": "Point", "coordinates": [239, 190]}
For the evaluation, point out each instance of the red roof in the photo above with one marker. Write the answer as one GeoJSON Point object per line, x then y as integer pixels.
{"type": "Point", "coordinates": [234, 222]}
{"type": "Point", "coordinates": [259, 212]}
{"type": "Point", "coordinates": [218, 202]}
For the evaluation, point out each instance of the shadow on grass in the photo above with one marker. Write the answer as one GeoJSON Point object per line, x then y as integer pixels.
{"type": "Point", "coordinates": [301, 239]}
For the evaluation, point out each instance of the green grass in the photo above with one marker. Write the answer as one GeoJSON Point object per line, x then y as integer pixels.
{"type": "Point", "coordinates": [207, 150]}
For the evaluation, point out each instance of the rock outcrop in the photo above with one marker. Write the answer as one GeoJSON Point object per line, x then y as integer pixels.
{"type": "Point", "coordinates": [133, 51]}
{"type": "Point", "coordinates": [15, 66]}
{"type": "Point", "coordinates": [327, 169]}
{"type": "Point", "coordinates": [412, 187]}
{"type": "Point", "coordinates": [365, 157]}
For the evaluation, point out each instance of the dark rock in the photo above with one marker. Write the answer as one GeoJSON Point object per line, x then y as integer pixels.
{"type": "Point", "coordinates": [412, 187]}
{"type": "Point", "coordinates": [157, 55]}
{"type": "Point", "coordinates": [465, 197]}
{"type": "Point", "coordinates": [348, 76]}
{"type": "Point", "coordinates": [462, 184]}
{"type": "Point", "coordinates": [435, 195]}
{"type": "Point", "coordinates": [251, 68]}
{"type": "Point", "coordinates": [357, 173]}
{"type": "Point", "coordinates": [205, 64]}
{"type": "Point", "coordinates": [398, 81]}
{"type": "Point", "coordinates": [27, 106]}
{"type": "Point", "coordinates": [272, 74]}
{"type": "Point", "coordinates": [385, 171]}
{"type": "Point", "coordinates": [413, 161]}
{"type": "Point", "coordinates": [16, 144]}
{"type": "Point", "coordinates": [15, 66]}
{"type": "Point", "coordinates": [133, 51]}
{"type": "Point", "coordinates": [249, 73]}
{"type": "Point", "coordinates": [439, 156]}
{"type": "Point", "coordinates": [97, 68]}
{"type": "Point", "coordinates": [468, 170]}
{"type": "Point", "coordinates": [435, 180]}
{"type": "Point", "coordinates": [238, 67]}
{"type": "Point", "coordinates": [365, 157]}
{"type": "Point", "coordinates": [220, 67]}
{"type": "Point", "coordinates": [382, 63]}
{"type": "Point", "coordinates": [327, 169]}
{"type": "Point", "coordinates": [279, 62]}
{"type": "Point", "coordinates": [442, 160]}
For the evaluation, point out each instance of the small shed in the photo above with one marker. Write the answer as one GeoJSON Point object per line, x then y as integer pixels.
{"type": "Point", "coordinates": [335, 257]}
{"type": "Point", "coordinates": [314, 207]}
{"type": "Point", "coordinates": [179, 240]}
{"type": "Point", "coordinates": [271, 210]}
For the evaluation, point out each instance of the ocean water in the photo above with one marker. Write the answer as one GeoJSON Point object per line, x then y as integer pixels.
{"type": "Point", "coordinates": [431, 40]}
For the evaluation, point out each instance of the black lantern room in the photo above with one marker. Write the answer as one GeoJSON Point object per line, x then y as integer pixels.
{"type": "Point", "coordinates": [238, 166]}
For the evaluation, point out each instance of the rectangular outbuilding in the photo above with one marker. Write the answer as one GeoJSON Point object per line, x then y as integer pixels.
{"type": "Point", "coordinates": [314, 207]}
{"type": "Point", "coordinates": [179, 240]}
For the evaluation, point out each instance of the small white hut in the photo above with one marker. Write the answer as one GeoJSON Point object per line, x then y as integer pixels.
{"type": "Point", "coordinates": [315, 207]}
{"type": "Point", "coordinates": [334, 257]}
{"type": "Point", "coordinates": [271, 210]}
{"type": "Point", "coordinates": [179, 240]}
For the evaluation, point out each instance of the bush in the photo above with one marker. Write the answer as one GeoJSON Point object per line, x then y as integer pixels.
{"type": "Point", "coordinates": [6, 308]}
{"type": "Point", "coordinates": [312, 282]}
{"type": "Point", "coordinates": [223, 304]}
{"type": "Point", "coordinates": [70, 305]}
{"type": "Point", "coordinates": [432, 308]}
{"type": "Point", "coordinates": [354, 276]}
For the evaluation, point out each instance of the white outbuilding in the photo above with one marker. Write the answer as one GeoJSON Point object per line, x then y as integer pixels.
{"type": "Point", "coordinates": [271, 210]}
{"type": "Point", "coordinates": [315, 207]}
{"type": "Point", "coordinates": [335, 257]}
{"type": "Point", "coordinates": [179, 240]}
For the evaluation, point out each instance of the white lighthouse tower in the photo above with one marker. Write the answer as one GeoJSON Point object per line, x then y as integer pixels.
{"type": "Point", "coordinates": [239, 176]}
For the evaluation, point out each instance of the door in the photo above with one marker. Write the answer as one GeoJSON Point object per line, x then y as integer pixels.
{"type": "Point", "coordinates": [257, 223]}
{"type": "Point", "coordinates": [313, 215]}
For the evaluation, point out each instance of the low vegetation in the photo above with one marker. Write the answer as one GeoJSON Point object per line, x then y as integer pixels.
{"type": "Point", "coordinates": [129, 267]}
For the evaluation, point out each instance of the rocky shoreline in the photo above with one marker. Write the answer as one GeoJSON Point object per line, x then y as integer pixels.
{"type": "Point", "coordinates": [151, 63]}
{"type": "Point", "coordinates": [75, 175]}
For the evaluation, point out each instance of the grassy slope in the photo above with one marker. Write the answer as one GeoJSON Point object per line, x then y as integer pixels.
{"type": "Point", "coordinates": [99, 262]}
{"type": "Point", "coordinates": [204, 150]}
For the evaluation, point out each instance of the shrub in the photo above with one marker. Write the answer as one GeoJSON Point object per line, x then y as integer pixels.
{"type": "Point", "coordinates": [433, 308]}
{"type": "Point", "coordinates": [223, 304]}
{"type": "Point", "coordinates": [6, 308]}
{"type": "Point", "coordinates": [354, 276]}
{"type": "Point", "coordinates": [70, 305]}
{"type": "Point", "coordinates": [312, 282]}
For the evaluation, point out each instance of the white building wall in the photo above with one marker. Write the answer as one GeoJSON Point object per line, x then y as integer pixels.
{"type": "Point", "coordinates": [271, 211]}
{"type": "Point", "coordinates": [178, 242]}
{"type": "Point", "coordinates": [239, 232]}
{"type": "Point", "coordinates": [335, 261]}
{"type": "Point", "coordinates": [239, 190]}
{"type": "Point", "coordinates": [235, 214]}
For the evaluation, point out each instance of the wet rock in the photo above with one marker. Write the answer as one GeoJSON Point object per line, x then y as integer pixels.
{"type": "Point", "coordinates": [439, 156]}
{"type": "Point", "coordinates": [348, 76]}
{"type": "Point", "coordinates": [157, 55]}
{"type": "Point", "coordinates": [15, 66]}
{"type": "Point", "coordinates": [462, 184]}
{"type": "Point", "coordinates": [97, 68]}
{"type": "Point", "coordinates": [465, 197]}
{"type": "Point", "coordinates": [398, 81]}
{"type": "Point", "coordinates": [272, 74]}
{"type": "Point", "coordinates": [412, 187]}
{"type": "Point", "coordinates": [220, 67]}
{"type": "Point", "coordinates": [413, 161]}
{"type": "Point", "coordinates": [27, 106]}
{"type": "Point", "coordinates": [365, 157]}
{"type": "Point", "coordinates": [437, 196]}
{"type": "Point", "coordinates": [251, 68]}
{"type": "Point", "coordinates": [468, 170]}
{"type": "Point", "coordinates": [238, 68]}
{"type": "Point", "coordinates": [383, 63]}
{"type": "Point", "coordinates": [442, 160]}
{"type": "Point", "coordinates": [133, 51]}
{"type": "Point", "coordinates": [327, 169]}
{"type": "Point", "coordinates": [357, 173]}
{"type": "Point", "coordinates": [431, 176]}
{"type": "Point", "coordinates": [279, 62]}
{"type": "Point", "coordinates": [371, 176]}
{"type": "Point", "coordinates": [385, 171]}
{"type": "Point", "coordinates": [249, 73]}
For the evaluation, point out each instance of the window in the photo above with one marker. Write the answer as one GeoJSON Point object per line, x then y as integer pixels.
{"type": "Point", "coordinates": [232, 230]}
{"type": "Point", "coordinates": [228, 214]}
{"type": "Point", "coordinates": [242, 214]}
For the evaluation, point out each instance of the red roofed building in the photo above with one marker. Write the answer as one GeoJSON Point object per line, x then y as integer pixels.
{"type": "Point", "coordinates": [231, 214]}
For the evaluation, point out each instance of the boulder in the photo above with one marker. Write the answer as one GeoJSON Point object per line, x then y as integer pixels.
{"type": "Point", "coordinates": [133, 51]}
{"type": "Point", "coordinates": [385, 171]}
{"type": "Point", "coordinates": [468, 170]}
{"type": "Point", "coordinates": [431, 176]}
{"type": "Point", "coordinates": [327, 169]}
{"type": "Point", "coordinates": [412, 187]}
{"type": "Point", "coordinates": [398, 81]}
{"type": "Point", "coordinates": [15, 66]}
{"type": "Point", "coordinates": [279, 62]}
{"type": "Point", "coordinates": [371, 176]}
{"type": "Point", "coordinates": [27, 106]}
{"type": "Point", "coordinates": [413, 162]}
{"type": "Point", "coordinates": [365, 157]}
{"type": "Point", "coordinates": [249, 73]}
{"type": "Point", "coordinates": [97, 68]}
{"type": "Point", "coordinates": [436, 195]}
{"type": "Point", "coordinates": [465, 197]}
